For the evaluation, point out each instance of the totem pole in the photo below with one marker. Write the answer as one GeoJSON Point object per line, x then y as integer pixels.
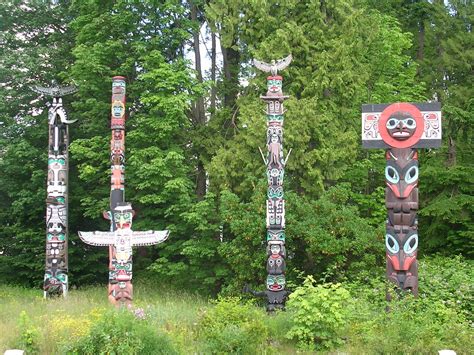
{"type": "Point", "coordinates": [120, 239]}
{"type": "Point", "coordinates": [56, 274]}
{"type": "Point", "coordinates": [275, 293]}
{"type": "Point", "coordinates": [400, 128]}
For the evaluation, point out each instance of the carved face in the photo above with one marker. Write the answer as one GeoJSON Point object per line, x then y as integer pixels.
{"type": "Point", "coordinates": [123, 250]}
{"type": "Point", "coordinates": [274, 85]}
{"type": "Point", "coordinates": [275, 192]}
{"type": "Point", "coordinates": [276, 248]}
{"type": "Point", "coordinates": [123, 216]}
{"type": "Point", "coordinates": [275, 176]}
{"type": "Point", "coordinates": [118, 109]}
{"type": "Point", "coordinates": [401, 125]}
{"type": "Point", "coordinates": [401, 247]}
{"type": "Point", "coordinates": [276, 282]}
{"type": "Point", "coordinates": [55, 237]}
{"type": "Point", "coordinates": [56, 217]}
{"type": "Point", "coordinates": [57, 175]}
{"type": "Point", "coordinates": [276, 235]}
{"type": "Point", "coordinates": [401, 173]}
{"type": "Point", "coordinates": [55, 281]}
{"type": "Point", "coordinates": [276, 265]}
{"type": "Point", "coordinates": [274, 133]}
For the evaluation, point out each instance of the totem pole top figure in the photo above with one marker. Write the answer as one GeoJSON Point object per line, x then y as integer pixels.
{"type": "Point", "coordinates": [274, 65]}
{"type": "Point", "coordinates": [274, 82]}
{"type": "Point", "coordinates": [55, 90]}
{"type": "Point", "coordinates": [401, 125]}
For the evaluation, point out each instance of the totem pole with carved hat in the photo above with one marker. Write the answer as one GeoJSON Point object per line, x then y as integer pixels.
{"type": "Point", "coordinates": [120, 239]}
{"type": "Point", "coordinates": [274, 160]}
{"type": "Point", "coordinates": [56, 273]}
{"type": "Point", "coordinates": [400, 129]}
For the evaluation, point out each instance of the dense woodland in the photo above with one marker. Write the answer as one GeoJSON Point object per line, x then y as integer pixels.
{"type": "Point", "coordinates": [196, 122]}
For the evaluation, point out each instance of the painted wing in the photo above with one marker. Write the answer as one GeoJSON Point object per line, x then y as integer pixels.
{"type": "Point", "coordinates": [262, 66]}
{"type": "Point", "coordinates": [283, 63]}
{"type": "Point", "coordinates": [98, 238]}
{"type": "Point", "coordinates": [149, 237]}
{"type": "Point", "coordinates": [42, 90]}
{"type": "Point", "coordinates": [55, 91]}
{"type": "Point", "coordinates": [67, 90]}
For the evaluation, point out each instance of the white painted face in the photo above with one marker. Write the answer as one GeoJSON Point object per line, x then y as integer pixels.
{"type": "Point", "coordinates": [123, 216]}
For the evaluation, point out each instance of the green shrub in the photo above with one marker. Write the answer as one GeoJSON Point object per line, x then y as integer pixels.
{"type": "Point", "coordinates": [318, 313]}
{"type": "Point", "coordinates": [120, 332]}
{"type": "Point", "coordinates": [231, 327]}
{"type": "Point", "coordinates": [448, 280]}
{"type": "Point", "coordinates": [413, 326]}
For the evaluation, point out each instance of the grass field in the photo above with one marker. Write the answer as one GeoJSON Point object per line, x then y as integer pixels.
{"type": "Point", "coordinates": [64, 319]}
{"type": "Point", "coordinates": [191, 324]}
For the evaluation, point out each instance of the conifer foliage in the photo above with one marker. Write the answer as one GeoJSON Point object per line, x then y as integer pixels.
{"type": "Point", "coordinates": [195, 123]}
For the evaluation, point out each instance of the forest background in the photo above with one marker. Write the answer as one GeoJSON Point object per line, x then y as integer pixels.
{"type": "Point", "coordinates": [192, 159]}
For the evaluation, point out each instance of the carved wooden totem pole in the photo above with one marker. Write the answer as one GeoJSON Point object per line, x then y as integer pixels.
{"type": "Point", "coordinates": [120, 239]}
{"type": "Point", "coordinates": [276, 252]}
{"type": "Point", "coordinates": [400, 128]}
{"type": "Point", "coordinates": [56, 274]}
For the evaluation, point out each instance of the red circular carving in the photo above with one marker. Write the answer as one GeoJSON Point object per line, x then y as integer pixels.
{"type": "Point", "coordinates": [401, 107]}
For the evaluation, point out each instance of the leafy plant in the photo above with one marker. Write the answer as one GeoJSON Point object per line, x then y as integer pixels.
{"type": "Point", "coordinates": [231, 327]}
{"type": "Point", "coordinates": [119, 332]}
{"type": "Point", "coordinates": [318, 313]}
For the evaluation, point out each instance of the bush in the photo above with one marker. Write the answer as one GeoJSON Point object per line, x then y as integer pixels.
{"type": "Point", "coordinates": [120, 332]}
{"type": "Point", "coordinates": [318, 314]}
{"type": "Point", "coordinates": [448, 280]}
{"type": "Point", "coordinates": [231, 327]}
{"type": "Point", "coordinates": [413, 326]}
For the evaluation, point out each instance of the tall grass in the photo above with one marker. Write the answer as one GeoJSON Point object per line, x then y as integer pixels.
{"type": "Point", "coordinates": [441, 317]}
{"type": "Point", "coordinates": [62, 320]}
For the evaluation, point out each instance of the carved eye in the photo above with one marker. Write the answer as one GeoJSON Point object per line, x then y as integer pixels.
{"type": "Point", "coordinates": [391, 174]}
{"type": "Point", "coordinates": [279, 262]}
{"type": "Point", "coordinates": [410, 123]}
{"type": "Point", "coordinates": [411, 175]}
{"type": "Point", "coordinates": [411, 244]}
{"type": "Point", "coordinates": [392, 123]}
{"type": "Point", "coordinates": [270, 262]}
{"type": "Point", "coordinates": [391, 244]}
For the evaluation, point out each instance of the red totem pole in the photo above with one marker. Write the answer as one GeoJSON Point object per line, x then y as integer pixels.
{"type": "Point", "coordinates": [121, 238]}
{"type": "Point", "coordinates": [275, 164]}
{"type": "Point", "coordinates": [400, 128]}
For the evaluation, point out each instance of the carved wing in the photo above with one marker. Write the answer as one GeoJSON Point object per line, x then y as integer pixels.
{"type": "Point", "coordinates": [98, 238]}
{"type": "Point", "coordinates": [262, 65]}
{"type": "Point", "coordinates": [55, 91]}
{"type": "Point", "coordinates": [42, 90]}
{"type": "Point", "coordinates": [149, 237]}
{"type": "Point", "coordinates": [67, 90]}
{"type": "Point", "coordinates": [283, 63]}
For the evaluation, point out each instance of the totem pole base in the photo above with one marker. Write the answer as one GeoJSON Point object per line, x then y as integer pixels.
{"type": "Point", "coordinates": [275, 299]}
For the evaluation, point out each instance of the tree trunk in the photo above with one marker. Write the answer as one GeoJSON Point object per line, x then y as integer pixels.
{"type": "Point", "coordinates": [198, 114]}
{"type": "Point", "coordinates": [231, 61]}
{"type": "Point", "coordinates": [213, 72]}
{"type": "Point", "coordinates": [451, 152]}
